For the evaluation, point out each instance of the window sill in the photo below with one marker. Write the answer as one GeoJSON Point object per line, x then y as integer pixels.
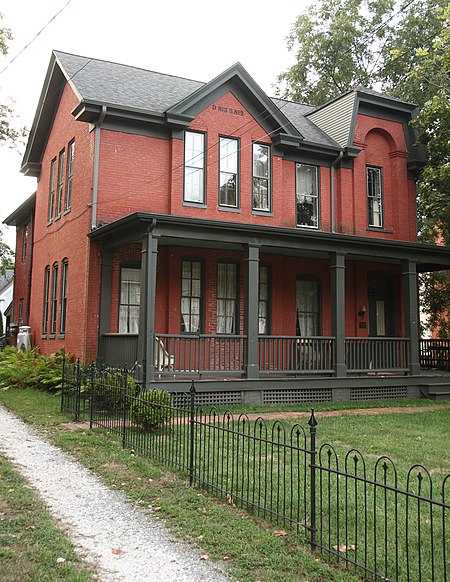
{"type": "Point", "coordinates": [379, 229]}
{"type": "Point", "coordinates": [262, 212]}
{"type": "Point", "coordinates": [194, 204]}
{"type": "Point", "coordinates": [305, 227]}
{"type": "Point", "coordinates": [51, 336]}
{"type": "Point", "coordinates": [61, 336]}
{"type": "Point", "coordinates": [49, 222]}
{"type": "Point", "coordinates": [57, 217]}
{"type": "Point", "coordinates": [229, 209]}
{"type": "Point", "coordinates": [66, 211]}
{"type": "Point", "coordinates": [44, 336]}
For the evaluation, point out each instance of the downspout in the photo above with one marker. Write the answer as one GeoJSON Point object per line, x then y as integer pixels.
{"type": "Point", "coordinates": [98, 124]}
{"type": "Point", "coordinates": [334, 163]}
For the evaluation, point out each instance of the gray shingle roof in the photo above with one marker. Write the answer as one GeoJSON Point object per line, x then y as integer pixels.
{"type": "Point", "coordinates": [126, 86]}
{"type": "Point", "coordinates": [123, 85]}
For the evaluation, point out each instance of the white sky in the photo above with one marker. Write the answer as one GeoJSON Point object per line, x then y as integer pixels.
{"type": "Point", "coordinates": [197, 39]}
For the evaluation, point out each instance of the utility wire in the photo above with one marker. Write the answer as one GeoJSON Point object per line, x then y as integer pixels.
{"type": "Point", "coordinates": [36, 36]}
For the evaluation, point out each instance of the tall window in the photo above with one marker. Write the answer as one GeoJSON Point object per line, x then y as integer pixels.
{"type": "Point", "coordinates": [261, 177]}
{"type": "Point", "coordinates": [375, 197]}
{"type": "Point", "coordinates": [59, 195]}
{"type": "Point", "coordinates": [194, 167]}
{"type": "Point", "coordinates": [228, 172]}
{"type": "Point", "coordinates": [308, 307]}
{"type": "Point", "coordinates": [69, 175]}
{"type": "Point", "coordinates": [226, 298]}
{"type": "Point", "coordinates": [307, 196]}
{"type": "Point", "coordinates": [264, 301]}
{"type": "Point", "coordinates": [45, 307]}
{"type": "Point", "coordinates": [63, 303]}
{"type": "Point", "coordinates": [191, 296]}
{"type": "Point", "coordinates": [25, 242]}
{"type": "Point", "coordinates": [54, 301]}
{"type": "Point", "coordinates": [52, 188]}
{"type": "Point", "coordinates": [130, 299]}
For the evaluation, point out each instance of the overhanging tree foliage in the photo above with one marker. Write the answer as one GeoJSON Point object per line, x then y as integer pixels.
{"type": "Point", "coordinates": [343, 43]}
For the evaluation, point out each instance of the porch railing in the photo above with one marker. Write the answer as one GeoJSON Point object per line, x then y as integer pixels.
{"type": "Point", "coordinates": [213, 355]}
{"type": "Point", "coordinates": [435, 353]}
{"type": "Point", "coordinates": [295, 355]}
{"type": "Point", "coordinates": [376, 354]}
{"type": "Point", "coordinates": [203, 354]}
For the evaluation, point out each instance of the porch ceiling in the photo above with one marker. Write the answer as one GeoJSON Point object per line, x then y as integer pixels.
{"type": "Point", "coordinates": [194, 232]}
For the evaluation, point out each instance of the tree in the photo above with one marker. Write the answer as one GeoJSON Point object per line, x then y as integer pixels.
{"type": "Point", "coordinates": [8, 133]}
{"type": "Point", "coordinates": [344, 43]}
{"type": "Point", "coordinates": [6, 256]}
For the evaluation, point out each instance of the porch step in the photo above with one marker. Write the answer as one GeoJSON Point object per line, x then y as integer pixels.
{"type": "Point", "coordinates": [436, 391]}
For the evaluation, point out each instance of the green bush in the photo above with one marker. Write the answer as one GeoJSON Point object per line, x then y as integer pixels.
{"type": "Point", "coordinates": [20, 369]}
{"type": "Point", "coordinates": [109, 390]}
{"type": "Point", "coordinates": [151, 410]}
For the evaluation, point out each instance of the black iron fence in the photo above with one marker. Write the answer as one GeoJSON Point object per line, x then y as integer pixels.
{"type": "Point", "coordinates": [350, 509]}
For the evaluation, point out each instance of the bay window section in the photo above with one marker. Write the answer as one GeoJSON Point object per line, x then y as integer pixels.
{"type": "Point", "coordinates": [45, 306]}
{"type": "Point", "coordinates": [130, 300]}
{"type": "Point", "coordinates": [63, 302]}
{"type": "Point", "coordinates": [227, 314]}
{"type": "Point", "coordinates": [191, 296]}
{"type": "Point", "coordinates": [261, 177]}
{"type": "Point", "coordinates": [308, 307]}
{"type": "Point", "coordinates": [374, 197]}
{"type": "Point", "coordinates": [194, 167]}
{"type": "Point", "coordinates": [52, 188]}
{"type": "Point", "coordinates": [69, 175]}
{"type": "Point", "coordinates": [307, 186]}
{"type": "Point", "coordinates": [59, 196]}
{"type": "Point", "coordinates": [228, 172]}
{"type": "Point", "coordinates": [54, 300]}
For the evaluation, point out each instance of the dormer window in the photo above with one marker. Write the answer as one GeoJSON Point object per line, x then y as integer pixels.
{"type": "Point", "coordinates": [374, 197]}
{"type": "Point", "coordinates": [194, 167]}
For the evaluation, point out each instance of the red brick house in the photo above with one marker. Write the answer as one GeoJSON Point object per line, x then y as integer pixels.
{"type": "Point", "coordinates": [209, 231]}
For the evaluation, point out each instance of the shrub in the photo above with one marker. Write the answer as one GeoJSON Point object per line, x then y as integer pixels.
{"type": "Point", "coordinates": [20, 369]}
{"type": "Point", "coordinates": [151, 410]}
{"type": "Point", "coordinates": [109, 389]}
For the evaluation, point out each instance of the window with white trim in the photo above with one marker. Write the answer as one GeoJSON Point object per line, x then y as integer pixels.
{"type": "Point", "coordinates": [374, 197]}
{"type": "Point", "coordinates": [69, 175]}
{"type": "Point", "coordinates": [130, 300]}
{"type": "Point", "coordinates": [308, 307]}
{"type": "Point", "coordinates": [59, 194]}
{"type": "Point", "coordinates": [63, 301]}
{"type": "Point", "coordinates": [261, 178]}
{"type": "Point", "coordinates": [54, 299]}
{"type": "Point", "coordinates": [228, 172]}
{"type": "Point", "coordinates": [307, 195]}
{"type": "Point", "coordinates": [52, 188]}
{"type": "Point", "coordinates": [45, 306]}
{"type": "Point", "coordinates": [194, 167]}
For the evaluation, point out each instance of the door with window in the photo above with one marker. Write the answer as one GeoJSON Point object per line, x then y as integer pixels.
{"type": "Point", "coordinates": [381, 305]}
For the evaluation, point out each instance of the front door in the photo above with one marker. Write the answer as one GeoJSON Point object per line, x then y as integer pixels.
{"type": "Point", "coordinates": [381, 305]}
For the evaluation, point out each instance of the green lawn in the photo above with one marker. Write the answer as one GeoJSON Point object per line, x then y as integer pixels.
{"type": "Point", "coordinates": [252, 469]}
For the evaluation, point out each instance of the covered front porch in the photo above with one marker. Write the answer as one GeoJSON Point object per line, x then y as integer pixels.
{"type": "Point", "coordinates": [367, 317]}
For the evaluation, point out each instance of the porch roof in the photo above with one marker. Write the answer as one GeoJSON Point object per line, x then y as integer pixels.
{"type": "Point", "coordinates": [196, 232]}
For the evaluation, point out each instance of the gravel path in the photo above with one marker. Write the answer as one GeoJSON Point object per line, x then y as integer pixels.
{"type": "Point", "coordinates": [124, 543]}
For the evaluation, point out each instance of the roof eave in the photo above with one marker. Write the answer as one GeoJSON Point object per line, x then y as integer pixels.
{"type": "Point", "coordinates": [21, 214]}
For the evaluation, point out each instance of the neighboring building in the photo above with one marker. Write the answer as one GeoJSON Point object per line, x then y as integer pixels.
{"type": "Point", "coordinates": [6, 295]}
{"type": "Point", "coordinates": [217, 233]}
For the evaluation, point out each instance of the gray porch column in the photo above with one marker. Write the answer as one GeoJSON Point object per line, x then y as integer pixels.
{"type": "Point", "coordinates": [411, 314]}
{"type": "Point", "coordinates": [105, 299]}
{"type": "Point", "coordinates": [337, 268]}
{"type": "Point", "coordinates": [146, 344]}
{"type": "Point", "coordinates": [251, 327]}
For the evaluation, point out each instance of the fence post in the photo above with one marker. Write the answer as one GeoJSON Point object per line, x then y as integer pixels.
{"type": "Point", "coordinates": [191, 433]}
{"type": "Point", "coordinates": [92, 396]}
{"type": "Point", "coordinates": [77, 402]}
{"type": "Point", "coordinates": [63, 380]}
{"type": "Point", "coordinates": [312, 439]}
{"type": "Point", "coordinates": [125, 402]}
